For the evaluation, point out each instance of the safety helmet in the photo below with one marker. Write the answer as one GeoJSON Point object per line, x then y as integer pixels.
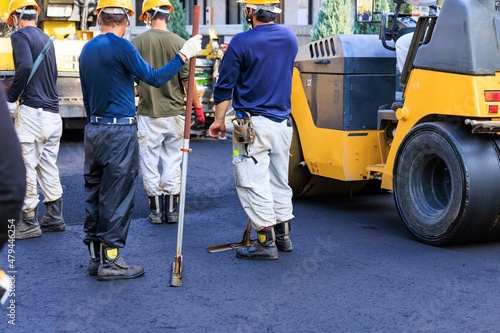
{"type": "Point", "coordinates": [19, 4]}
{"type": "Point", "coordinates": [125, 4]}
{"type": "Point", "coordinates": [258, 2]}
{"type": "Point", "coordinates": [153, 4]}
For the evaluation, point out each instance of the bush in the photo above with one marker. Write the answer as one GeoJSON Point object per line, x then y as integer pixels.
{"type": "Point", "coordinates": [334, 17]}
{"type": "Point", "coordinates": [338, 17]}
{"type": "Point", "coordinates": [177, 21]}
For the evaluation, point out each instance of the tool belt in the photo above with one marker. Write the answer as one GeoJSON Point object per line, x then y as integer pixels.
{"type": "Point", "coordinates": [243, 130]}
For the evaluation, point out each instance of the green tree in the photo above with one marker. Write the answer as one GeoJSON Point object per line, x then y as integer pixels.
{"type": "Point", "coordinates": [334, 17]}
{"type": "Point", "coordinates": [177, 21]}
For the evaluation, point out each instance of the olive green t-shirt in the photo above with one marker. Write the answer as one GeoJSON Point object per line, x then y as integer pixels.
{"type": "Point", "coordinates": [158, 47]}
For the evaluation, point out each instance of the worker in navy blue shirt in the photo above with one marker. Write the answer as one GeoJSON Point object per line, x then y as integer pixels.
{"type": "Point", "coordinates": [256, 72]}
{"type": "Point", "coordinates": [108, 64]}
{"type": "Point", "coordinates": [37, 121]}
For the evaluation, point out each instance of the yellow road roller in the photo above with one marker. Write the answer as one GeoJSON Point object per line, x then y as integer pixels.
{"type": "Point", "coordinates": [437, 148]}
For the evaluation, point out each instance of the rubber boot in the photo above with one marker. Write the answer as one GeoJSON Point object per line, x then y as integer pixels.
{"type": "Point", "coordinates": [95, 257]}
{"type": "Point", "coordinates": [156, 209]}
{"type": "Point", "coordinates": [53, 220]}
{"type": "Point", "coordinates": [171, 208]}
{"type": "Point", "coordinates": [263, 249]}
{"type": "Point", "coordinates": [113, 267]}
{"type": "Point", "coordinates": [28, 226]}
{"type": "Point", "coordinates": [283, 242]}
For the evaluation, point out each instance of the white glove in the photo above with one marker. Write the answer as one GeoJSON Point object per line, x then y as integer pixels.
{"type": "Point", "coordinates": [12, 108]}
{"type": "Point", "coordinates": [192, 47]}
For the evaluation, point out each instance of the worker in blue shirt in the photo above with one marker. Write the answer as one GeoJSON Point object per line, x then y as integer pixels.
{"type": "Point", "coordinates": [256, 72]}
{"type": "Point", "coordinates": [108, 64]}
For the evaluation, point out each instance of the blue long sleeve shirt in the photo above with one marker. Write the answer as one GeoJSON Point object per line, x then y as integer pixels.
{"type": "Point", "coordinates": [257, 71]}
{"type": "Point", "coordinates": [41, 92]}
{"type": "Point", "coordinates": [108, 65]}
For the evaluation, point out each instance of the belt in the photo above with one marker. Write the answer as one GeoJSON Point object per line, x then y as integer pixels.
{"type": "Point", "coordinates": [109, 120]}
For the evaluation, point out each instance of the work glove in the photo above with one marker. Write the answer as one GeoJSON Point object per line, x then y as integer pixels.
{"type": "Point", "coordinates": [12, 108]}
{"type": "Point", "coordinates": [192, 47]}
{"type": "Point", "coordinates": [200, 117]}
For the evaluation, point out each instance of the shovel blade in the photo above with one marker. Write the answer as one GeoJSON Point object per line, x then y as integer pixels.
{"type": "Point", "coordinates": [224, 247]}
{"type": "Point", "coordinates": [176, 280]}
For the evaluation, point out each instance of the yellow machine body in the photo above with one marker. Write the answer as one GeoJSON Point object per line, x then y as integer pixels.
{"type": "Point", "coordinates": [357, 155]}
{"type": "Point", "coordinates": [337, 154]}
{"type": "Point", "coordinates": [438, 94]}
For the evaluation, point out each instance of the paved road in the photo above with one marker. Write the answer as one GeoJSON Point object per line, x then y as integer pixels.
{"type": "Point", "coordinates": [353, 269]}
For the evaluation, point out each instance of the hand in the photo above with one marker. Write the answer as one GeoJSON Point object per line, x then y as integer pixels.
{"type": "Point", "coordinates": [192, 47]}
{"type": "Point", "coordinates": [12, 108]}
{"type": "Point", "coordinates": [200, 117]}
{"type": "Point", "coordinates": [215, 128]}
{"type": "Point", "coordinates": [223, 47]}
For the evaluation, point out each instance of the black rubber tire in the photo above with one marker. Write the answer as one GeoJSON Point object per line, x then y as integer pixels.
{"type": "Point", "coordinates": [298, 177]}
{"type": "Point", "coordinates": [446, 183]}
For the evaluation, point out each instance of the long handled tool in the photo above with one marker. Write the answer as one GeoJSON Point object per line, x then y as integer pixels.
{"type": "Point", "coordinates": [246, 241]}
{"type": "Point", "coordinates": [176, 280]}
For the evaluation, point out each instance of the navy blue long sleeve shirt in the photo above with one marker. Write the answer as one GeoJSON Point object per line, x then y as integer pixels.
{"type": "Point", "coordinates": [41, 92]}
{"type": "Point", "coordinates": [108, 65]}
{"type": "Point", "coordinates": [257, 70]}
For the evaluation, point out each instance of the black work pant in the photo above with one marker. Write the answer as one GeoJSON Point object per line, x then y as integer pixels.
{"type": "Point", "coordinates": [111, 170]}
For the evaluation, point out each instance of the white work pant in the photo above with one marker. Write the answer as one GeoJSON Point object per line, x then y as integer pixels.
{"type": "Point", "coordinates": [40, 134]}
{"type": "Point", "coordinates": [263, 187]}
{"type": "Point", "coordinates": [402, 46]}
{"type": "Point", "coordinates": [161, 139]}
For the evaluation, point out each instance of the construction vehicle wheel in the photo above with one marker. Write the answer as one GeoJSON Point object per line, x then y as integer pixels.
{"type": "Point", "coordinates": [446, 182]}
{"type": "Point", "coordinates": [298, 176]}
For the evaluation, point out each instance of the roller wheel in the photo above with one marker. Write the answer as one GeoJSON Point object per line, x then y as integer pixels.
{"type": "Point", "coordinates": [298, 177]}
{"type": "Point", "coordinates": [446, 184]}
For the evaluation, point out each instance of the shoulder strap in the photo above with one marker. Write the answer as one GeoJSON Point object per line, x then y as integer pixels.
{"type": "Point", "coordinates": [38, 61]}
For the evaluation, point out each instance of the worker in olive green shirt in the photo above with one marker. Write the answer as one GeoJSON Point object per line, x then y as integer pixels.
{"type": "Point", "coordinates": [160, 119]}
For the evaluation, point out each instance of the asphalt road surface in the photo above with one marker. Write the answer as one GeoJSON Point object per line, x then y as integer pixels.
{"type": "Point", "coordinates": [354, 268]}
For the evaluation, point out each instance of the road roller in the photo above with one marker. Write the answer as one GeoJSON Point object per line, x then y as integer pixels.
{"type": "Point", "coordinates": [436, 146]}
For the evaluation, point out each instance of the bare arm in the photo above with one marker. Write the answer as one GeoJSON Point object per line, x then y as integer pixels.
{"type": "Point", "coordinates": [218, 125]}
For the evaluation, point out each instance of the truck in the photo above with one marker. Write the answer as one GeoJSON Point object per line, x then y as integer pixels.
{"type": "Point", "coordinates": [437, 149]}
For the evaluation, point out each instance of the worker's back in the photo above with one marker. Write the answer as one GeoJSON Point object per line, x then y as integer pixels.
{"type": "Point", "coordinates": [265, 56]}
{"type": "Point", "coordinates": [41, 91]}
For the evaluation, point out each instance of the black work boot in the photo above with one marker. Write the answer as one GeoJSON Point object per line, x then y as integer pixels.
{"type": "Point", "coordinates": [95, 257]}
{"type": "Point", "coordinates": [263, 249]}
{"type": "Point", "coordinates": [53, 220]}
{"type": "Point", "coordinates": [156, 209]}
{"type": "Point", "coordinates": [283, 242]}
{"type": "Point", "coordinates": [171, 208]}
{"type": "Point", "coordinates": [113, 267]}
{"type": "Point", "coordinates": [28, 226]}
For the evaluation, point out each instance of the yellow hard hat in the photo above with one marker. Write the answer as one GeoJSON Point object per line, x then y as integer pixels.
{"type": "Point", "coordinates": [150, 4]}
{"type": "Point", "coordinates": [258, 2]}
{"type": "Point", "coordinates": [18, 4]}
{"type": "Point", "coordinates": [126, 4]}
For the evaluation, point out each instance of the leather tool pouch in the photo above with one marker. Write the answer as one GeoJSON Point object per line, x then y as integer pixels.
{"type": "Point", "coordinates": [243, 131]}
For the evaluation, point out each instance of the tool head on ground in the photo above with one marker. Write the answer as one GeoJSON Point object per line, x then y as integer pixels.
{"type": "Point", "coordinates": [245, 242]}
{"type": "Point", "coordinates": [19, 6]}
{"type": "Point", "coordinates": [115, 7]}
{"type": "Point", "coordinates": [156, 6]}
{"type": "Point", "coordinates": [176, 280]}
